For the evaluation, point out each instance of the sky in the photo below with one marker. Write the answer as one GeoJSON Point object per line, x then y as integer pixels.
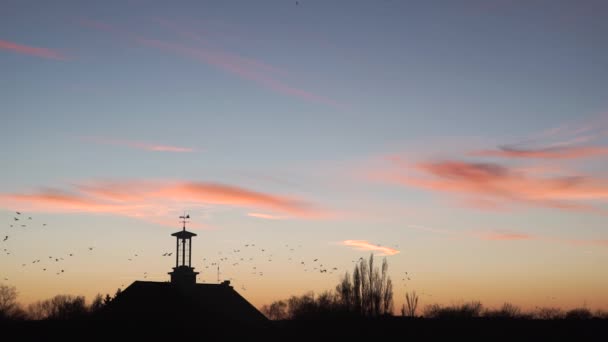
{"type": "Point", "coordinates": [465, 141]}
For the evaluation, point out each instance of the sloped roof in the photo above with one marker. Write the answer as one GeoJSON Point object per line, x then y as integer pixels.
{"type": "Point", "coordinates": [145, 300]}
{"type": "Point", "coordinates": [183, 234]}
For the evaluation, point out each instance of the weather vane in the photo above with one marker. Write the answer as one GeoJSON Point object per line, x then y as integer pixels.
{"type": "Point", "coordinates": [183, 220]}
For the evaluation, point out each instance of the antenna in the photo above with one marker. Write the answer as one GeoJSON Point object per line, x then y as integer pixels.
{"type": "Point", "coordinates": [183, 220]}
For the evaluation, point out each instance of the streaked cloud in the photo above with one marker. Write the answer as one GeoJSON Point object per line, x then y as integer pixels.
{"type": "Point", "coordinates": [507, 236]}
{"type": "Point", "coordinates": [363, 245]}
{"type": "Point", "coordinates": [32, 51]}
{"type": "Point", "coordinates": [491, 185]}
{"type": "Point", "coordinates": [565, 152]}
{"type": "Point", "coordinates": [156, 201]}
{"type": "Point", "coordinates": [266, 216]}
{"type": "Point", "coordinates": [585, 242]}
{"type": "Point", "coordinates": [503, 236]}
{"type": "Point", "coordinates": [569, 141]}
{"type": "Point", "coordinates": [487, 235]}
{"type": "Point", "coordinates": [245, 68]}
{"type": "Point", "coordinates": [139, 145]}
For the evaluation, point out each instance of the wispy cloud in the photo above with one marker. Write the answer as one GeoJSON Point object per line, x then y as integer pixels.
{"type": "Point", "coordinates": [155, 200]}
{"type": "Point", "coordinates": [245, 68]}
{"type": "Point", "coordinates": [564, 152]}
{"type": "Point", "coordinates": [138, 145]}
{"type": "Point", "coordinates": [363, 245]}
{"type": "Point", "coordinates": [488, 235]}
{"type": "Point", "coordinates": [32, 51]}
{"type": "Point", "coordinates": [561, 142]}
{"type": "Point", "coordinates": [584, 242]}
{"type": "Point", "coordinates": [503, 235]}
{"type": "Point", "coordinates": [501, 184]}
{"type": "Point", "coordinates": [266, 216]}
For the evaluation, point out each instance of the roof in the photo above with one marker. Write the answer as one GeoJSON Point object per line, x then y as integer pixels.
{"type": "Point", "coordinates": [144, 300]}
{"type": "Point", "coordinates": [183, 234]}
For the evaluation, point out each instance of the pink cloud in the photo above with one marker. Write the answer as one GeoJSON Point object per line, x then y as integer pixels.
{"type": "Point", "coordinates": [139, 145]}
{"type": "Point", "coordinates": [233, 57]}
{"type": "Point", "coordinates": [234, 66]}
{"type": "Point", "coordinates": [586, 242]}
{"type": "Point", "coordinates": [32, 51]}
{"type": "Point", "coordinates": [496, 185]}
{"type": "Point", "coordinates": [266, 216]}
{"type": "Point", "coordinates": [363, 245]}
{"type": "Point", "coordinates": [244, 68]}
{"type": "Point", "coordinates": [487, 235]}
{"type": "Point", "coordinates": [155, 201]}
{"type": "Point", "coordinates": [503, 236]}
{"type": "Point", "coordinates": [566, 152]}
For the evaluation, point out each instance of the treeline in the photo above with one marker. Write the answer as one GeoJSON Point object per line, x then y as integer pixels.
{"type": "Point", "coordinates": [60, 307]}
{"type": "Point", "coordinates": [369, 293]}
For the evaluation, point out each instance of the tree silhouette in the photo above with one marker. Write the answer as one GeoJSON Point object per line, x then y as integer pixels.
{"type": "Point", "coordinates": [107, 299]}
{"type": "Point", "coordinates": [60, 307]}
{"type": "Point", "coordinates": [275, 311]}
{"type": "Point", "coordinates": [97, 304]}
{"type": "Point", "coordinates": [8, 302]}
{"type": "Point", "coordinates": [411, 304]}
{"type": "Point", "coordinates": [371, 291]}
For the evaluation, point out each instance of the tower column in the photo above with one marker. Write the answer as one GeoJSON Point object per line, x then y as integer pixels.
{"type": "Point", "coordinates": [190, 252]}
{"type": "Point", "coordinates": [184, 252]}
{"type": "Point", "coordinates": [176, 252]}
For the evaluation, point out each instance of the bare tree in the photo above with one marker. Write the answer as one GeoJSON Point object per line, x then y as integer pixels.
{"type": "Point", "coordinates": [8, 301]}
{"type": "Point", "coordinates": [60, 307]}
{"type": "Point", "coordinates": [410, 305]}
{"type": "Point", "coordinates": [356, 297]}
{"type": "Point", "coordinates": [97, 304]}
{"type": "Point", "coordinates": [344, 290]}
{"type": "Point", "coordinates": [371, 291]}
{"type": "Point", "coordinates": [276, 311]}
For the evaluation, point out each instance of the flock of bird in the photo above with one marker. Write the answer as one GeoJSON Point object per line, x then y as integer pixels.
{"type": "Point", "coordinates": [249, 258]}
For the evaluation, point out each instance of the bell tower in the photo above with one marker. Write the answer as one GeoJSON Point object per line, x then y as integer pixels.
{"type": "Point", "coordinates": [183, 272]}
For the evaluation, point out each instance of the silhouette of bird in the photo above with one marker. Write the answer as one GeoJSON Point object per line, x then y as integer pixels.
{"type": "Point", "coordinates": [5, 238]}
{"type": "Point", "coordinates": [90, 248]}
{"type": "Point", "coordinates": [16, 219]}
{"type": "Point", "coordinates": [18, 213]}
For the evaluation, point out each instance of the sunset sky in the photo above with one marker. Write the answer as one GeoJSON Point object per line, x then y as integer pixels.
{"type": "Point", "coordinates": [466, 141]}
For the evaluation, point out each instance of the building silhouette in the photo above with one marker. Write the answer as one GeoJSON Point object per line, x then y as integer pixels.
{"type": "Point", "coordinates": [182, 298]}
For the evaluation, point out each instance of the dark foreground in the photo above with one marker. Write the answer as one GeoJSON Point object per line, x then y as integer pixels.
{"type": "Point", "coordinates": [353, 329]}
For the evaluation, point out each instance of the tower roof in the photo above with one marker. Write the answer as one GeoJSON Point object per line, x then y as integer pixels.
{"type": "Point", "coordinates": [145, 300]}
{"type": "Point", "coordinates": [183, 234]}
